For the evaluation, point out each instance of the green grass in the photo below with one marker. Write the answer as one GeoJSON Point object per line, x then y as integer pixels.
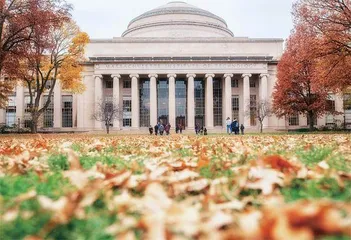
{"type": "Point", "coordinates": [317, 189]}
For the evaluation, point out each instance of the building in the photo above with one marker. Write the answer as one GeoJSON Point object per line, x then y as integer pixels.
{"type": "Point", "coordinates": [176, 63]}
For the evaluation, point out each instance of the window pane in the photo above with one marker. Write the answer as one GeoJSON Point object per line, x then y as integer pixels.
{"type": "Point", "coordinates": [217, 102]}
{"type": "Point", "coordinates": [235, 106]}
{"type": "Point", "coordinates": [144, 97]}
{"type": "Point", "coordinates": [67, 118]}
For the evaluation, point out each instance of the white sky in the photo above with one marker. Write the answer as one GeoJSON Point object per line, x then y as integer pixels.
{"type": "Point", "coordinates": [249, 18]}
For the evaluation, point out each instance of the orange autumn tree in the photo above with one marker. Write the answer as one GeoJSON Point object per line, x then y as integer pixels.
{"type": "Point", "coordinates": [330, 21]}
{"type": "Point", "coordinates": [19, 19]}
{"type": "Point", "coordinates": [49, 59]}
{"type": "Point", "coordinates": [298, 89]}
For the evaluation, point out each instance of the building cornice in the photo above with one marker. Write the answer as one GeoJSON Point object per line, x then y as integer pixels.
{"type": "Point", "coordinates": [189, 40]}
{"type": "Point", "coordinates": [182, 59]}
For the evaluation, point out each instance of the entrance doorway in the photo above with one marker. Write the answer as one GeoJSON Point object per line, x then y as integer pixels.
{"type": "Point", "coordinates": [163, 119]}
{"type": "Point", "coordinates": [180, 121]}
{"type": "Point", "coordinates": [200, 121]}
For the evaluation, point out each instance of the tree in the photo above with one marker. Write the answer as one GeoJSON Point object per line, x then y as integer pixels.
{"type": "Point", "coordinates": [298, 89]}
{"type": "Point", "coordinates": [330, 21]}
{"type": "Point", "coordinates": [18, 21]}
{"type": "Point", "coordinates": [259, 109]}
{"type": "Point", "coordinates": [107, 111]}
{"type": "Point", "coordinates": [49, 58]}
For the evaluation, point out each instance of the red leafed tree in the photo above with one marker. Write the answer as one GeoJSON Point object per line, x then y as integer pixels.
{"type": "Point", "coordinates": [18, 21]}
{"type": "Point", "coordinates": [298, 88]}
{"type": "Point", "coordinates": [330, 21]}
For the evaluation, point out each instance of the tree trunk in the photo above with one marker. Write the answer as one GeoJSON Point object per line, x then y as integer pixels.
{"type": "Point", "coordinates": [34, 123]}
{"type": "Point", "coordinates": [310, 116]}
{"type": "Point", "coordinates": [108, 128]}
{"type": "Point", "coordinates": [261, 126]}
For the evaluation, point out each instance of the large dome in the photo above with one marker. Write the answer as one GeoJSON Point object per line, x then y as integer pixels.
{"type": "Point", "coordinates": [177, 19]}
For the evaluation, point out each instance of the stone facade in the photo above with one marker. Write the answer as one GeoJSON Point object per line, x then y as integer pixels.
{"type": "Point", "coordinates": [177, 64]}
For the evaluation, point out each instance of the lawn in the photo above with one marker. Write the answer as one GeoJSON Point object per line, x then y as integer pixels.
{"type": "Point", "coordinates": [175, 187]}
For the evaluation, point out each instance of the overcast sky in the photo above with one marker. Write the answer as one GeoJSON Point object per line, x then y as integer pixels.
{"type": "Point", "coordinates": [249, 18]}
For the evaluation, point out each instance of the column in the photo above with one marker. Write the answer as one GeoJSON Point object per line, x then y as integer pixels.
{"type": "Point", "coordinates": [98, 98]}
{"type": "Point", "coordinates": [264, 94]}
{"type": "Point", "coordinates": [80, 108]}
{"type": "Point", "coordinates": [153, 99]}
{"type": "Point", "coordinates": [228, 96]}
{"type": "Point", "coordinates": [172, 99]}
{"type": "Point", "coordinates": [191, 101]}
{"type": "Point", "coordinates": [57, 105]}
{"type": "Point", "coordinates": [116, 101]}
{"type": "Point", "coordinates": [20, 105]}
{"type": "Point", "coordinates": [209, 101]}
{"type": "Point", "coordinates": [246, 99]}
{"type": "Point", "coordinates": [135, 100]}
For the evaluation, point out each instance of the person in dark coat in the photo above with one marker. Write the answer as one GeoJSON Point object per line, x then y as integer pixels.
{"type": "Point", "coordinates": [156, 129]}
{"type": "Point", "coordinates": [205, 131]}
{"type": "Point", "coordinates": [242, 128]}
{"type": "Point", "coordinates": [168, 128]}
{"type": "Point", "coordinates": [197, 128]}
{"type": "Point", "coordinates": [233, 126]}
{"type": "Point", "coordinates": [180, 128]}
{"type": "Point", "coordinates": [151, 130]}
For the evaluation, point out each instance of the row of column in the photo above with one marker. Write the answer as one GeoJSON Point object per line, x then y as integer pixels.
{"type": "Point", "coordinates": [263, 92]}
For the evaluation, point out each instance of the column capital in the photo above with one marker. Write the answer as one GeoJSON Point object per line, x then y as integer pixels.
{"type": "Point", "coordinates": [228, 75]}
{"type": "Point", "coordinates": [97, 76]}
{"type": "Point", "coordinates": [209, 75]}
{"type": "Point", "coordinates": [246, 75]}
{"type": "Point", "coordinates": [153, 75]}
{"type": "Point", "coordinates": [172, 75]}
{"type": "Point", "coordinates": [191, 75]}
{"type": "Point", "coordinates": [134, 75]}
{"type": "Point", "coordinates": [116, 76]}
{"type": "Point", "coordinates": [264, 75]}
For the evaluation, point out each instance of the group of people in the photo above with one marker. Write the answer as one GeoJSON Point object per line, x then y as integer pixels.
{"type": "Point", "coordinates": [233, 126]}
{"type": "Point", "coordinates": [200, 130]}
{"type": "Point", "coordinates": [160, 128]}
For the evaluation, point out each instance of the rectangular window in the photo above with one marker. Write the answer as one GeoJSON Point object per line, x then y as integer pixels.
{"type": "Point", "coordinates": [144, 98]}
{"type": "Point", "coordinates": [253, 110]}
{"type": "Point", "coordinates": [235, 106]}
{"type": "Point", "coordinates": [217, 102]}
{"type": "Point", "coordinates": [11, 112]}
{"type": "Point", "coordinates": [127, 122]}
{"type": "Point", "coordinates": [235, 83]}
{"type": "Point", "coordinates": [199, 92]}
{"type": "Point", "coordinates": [127, 105]}
{"type": "Point", "coordinates": [109, 83]}
{"type": "Point", "coordinates": [127, 84]}
{"type": "Point", "coordinates": [294, 120]}
{"type": "Point", "coordinates": [48, 116]}
{"type": "Point", "coordinates": [330, 105]}
{"type": "Point", "coordinates": [252, 83]}
{"type": "Point", "coordinates": [67, 109]}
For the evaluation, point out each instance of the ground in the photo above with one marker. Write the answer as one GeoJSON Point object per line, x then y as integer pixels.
{"type": "Point", "coordinates": [175, 187]}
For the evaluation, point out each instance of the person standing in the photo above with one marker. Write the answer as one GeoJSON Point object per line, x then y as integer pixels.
{"type": "Point", "coordinates": [197, 128]}
{"type": "Point", "coordinates": [242, 128]}
{"type": "Point", "coordinates": [161, 129]}
{"type": "Point", "coordinates": [229, 128]}
{"type": "Point", "coordinates": [168, 128]}
{"type": "Point", "coordinates": [151, 130]}
{"type": "Point", "coordinates": [156, 129]}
